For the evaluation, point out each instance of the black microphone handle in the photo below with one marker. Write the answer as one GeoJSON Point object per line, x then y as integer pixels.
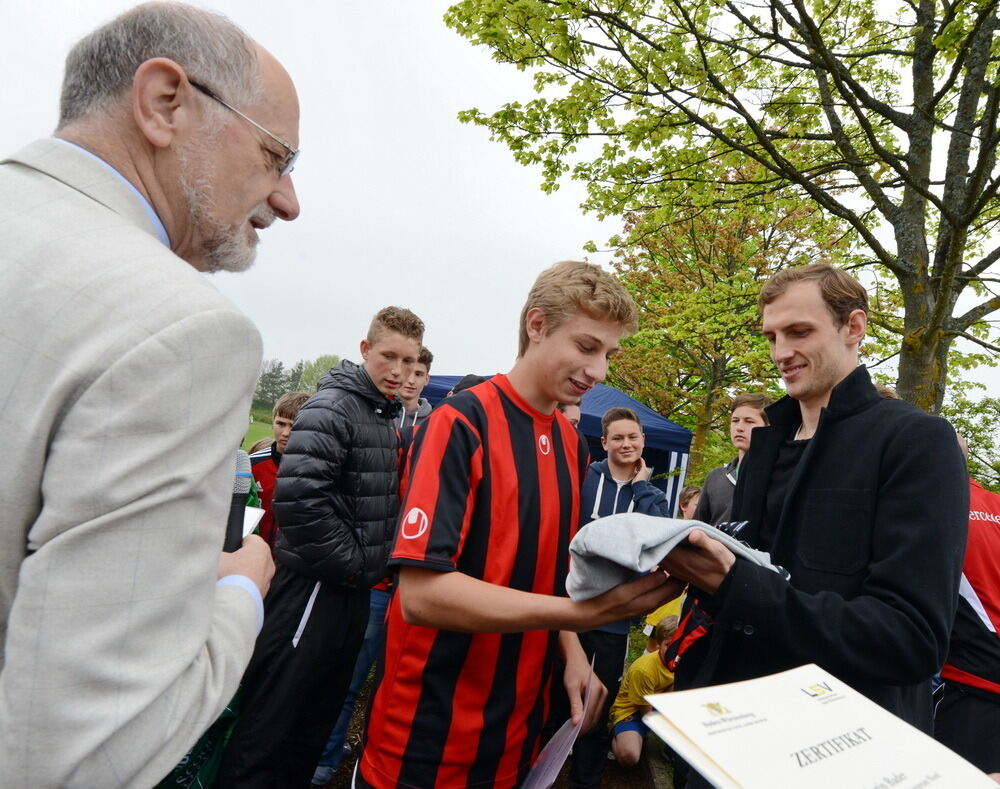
{"type": "Point", "coordinates": [234, 527]}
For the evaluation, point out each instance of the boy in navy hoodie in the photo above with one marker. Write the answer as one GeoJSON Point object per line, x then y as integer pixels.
{"type": "Point", "coordinates": [618, 484]}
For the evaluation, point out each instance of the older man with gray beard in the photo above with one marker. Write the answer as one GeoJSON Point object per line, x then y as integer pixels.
{"type": "Point", "coordinates": [125, 380]}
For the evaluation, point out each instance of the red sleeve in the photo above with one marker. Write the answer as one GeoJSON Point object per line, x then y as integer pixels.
{"type": "Point", "coordinates": [443, 472]}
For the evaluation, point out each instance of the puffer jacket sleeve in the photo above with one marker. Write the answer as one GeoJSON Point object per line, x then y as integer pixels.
{"type": "Point", "coordinates": [314, 535]}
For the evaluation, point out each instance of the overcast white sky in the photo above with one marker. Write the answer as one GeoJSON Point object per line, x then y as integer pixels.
{"type": "Point", "coordinates": [401, 204]}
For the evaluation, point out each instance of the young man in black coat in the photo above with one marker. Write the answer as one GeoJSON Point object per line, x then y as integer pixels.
{"type": "Point", "coordinates": [862, 499]}
{"type": "Point", "coordinates": [335, 501]}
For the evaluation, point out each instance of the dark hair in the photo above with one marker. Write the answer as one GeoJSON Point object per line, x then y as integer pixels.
{"type": "Point", "coordinates": [425, 358]}
{"type": "Point", "coordinates": [616, 413]}
{"type": "Point", "coordinates": [841, 293]}
{"type": "Point", "coordinates": [467, 382]}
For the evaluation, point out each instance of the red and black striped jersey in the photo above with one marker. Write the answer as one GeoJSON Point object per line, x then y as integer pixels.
{"type": "Point", "coordinates": [492, 490]}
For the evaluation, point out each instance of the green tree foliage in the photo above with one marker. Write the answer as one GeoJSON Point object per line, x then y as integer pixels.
{"type": "Point", "coordinates": [293, 377]}
{"type": "Point", "coordinates": [885, 116]}
{"type": "Point", "coordinates": [978, 420]}
{"type": "Point", "coordinates": [316, 369]}
{"type": "Point", "coordinates": [696, 282]}
{"type": "Point", "coordinates": [276, 379]}
{"type": "Point", "coordinates": [271, 384]}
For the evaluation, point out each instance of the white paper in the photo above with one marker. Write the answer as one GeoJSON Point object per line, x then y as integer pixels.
{"type": "Point", "coordinates": [803, 728]}
{"type": "Point", "coordinates": [251, 517]}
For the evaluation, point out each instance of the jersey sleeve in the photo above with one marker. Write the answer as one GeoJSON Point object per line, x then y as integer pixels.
{"type": "Point", "coordinates": [442, 476]}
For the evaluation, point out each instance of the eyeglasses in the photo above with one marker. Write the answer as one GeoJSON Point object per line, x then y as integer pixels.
{"type": "Point", "coordinates": [287, 163]}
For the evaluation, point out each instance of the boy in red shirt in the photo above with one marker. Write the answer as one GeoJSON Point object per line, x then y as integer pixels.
{"type": "Point", "coordinates": [264, 463]}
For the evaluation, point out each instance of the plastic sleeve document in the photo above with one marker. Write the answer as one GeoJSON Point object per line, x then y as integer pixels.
{"type": "Point", "coordinates": [803, 728]}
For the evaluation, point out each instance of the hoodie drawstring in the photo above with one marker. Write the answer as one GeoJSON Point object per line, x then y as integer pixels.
{"type": "Point", "coordinates": [597, 499]}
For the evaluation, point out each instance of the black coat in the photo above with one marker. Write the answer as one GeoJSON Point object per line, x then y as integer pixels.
{"type": "Point", "coordinates": [336, 498]}
{"type": "Point", "coordinates": [873, 533]}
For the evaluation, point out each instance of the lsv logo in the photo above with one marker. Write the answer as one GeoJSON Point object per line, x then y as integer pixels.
{"type": "Point", "coordinates": [818, 690]}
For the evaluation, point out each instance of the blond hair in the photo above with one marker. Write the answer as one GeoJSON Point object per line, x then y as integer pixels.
{"type": "Point", "coordinates": [666, 628]}
{"type": "Point", "coordinates": [572, 287]}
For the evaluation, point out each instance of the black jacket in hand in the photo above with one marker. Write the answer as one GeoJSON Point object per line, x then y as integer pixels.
{"type": "Point", "coordinates": [336, 498]}
{"type": "Point", "coordinates": [873, 534]}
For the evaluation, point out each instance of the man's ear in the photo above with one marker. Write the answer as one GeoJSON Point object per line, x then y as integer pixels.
{"type": "Point", "coordinates": [535, 324]}
{"type": "Point", "coordinates": [856, 323]}
{"type": "Point", "coordinates": [162, 101]}
{"type": "Point", "coordinates": [365, 349]}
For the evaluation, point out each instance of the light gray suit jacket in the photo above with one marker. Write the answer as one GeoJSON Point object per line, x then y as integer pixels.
{"type": "Point", "coordinates": [125, 380]}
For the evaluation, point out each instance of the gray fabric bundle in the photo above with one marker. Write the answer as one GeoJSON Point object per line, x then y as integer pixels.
{"type": "Point", "coordinates": [610, 551]}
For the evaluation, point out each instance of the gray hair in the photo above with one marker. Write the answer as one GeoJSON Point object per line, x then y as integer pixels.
{"type": "Point", "coordinates": [209, 47]}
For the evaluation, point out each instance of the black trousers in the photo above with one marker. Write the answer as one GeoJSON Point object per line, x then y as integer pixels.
{"type": "Point", "coordinates": [968, 722]}
{"type": "Point", "coordinates": [295, 684]}
{"type": "Point", "coordinates": [590, 751]}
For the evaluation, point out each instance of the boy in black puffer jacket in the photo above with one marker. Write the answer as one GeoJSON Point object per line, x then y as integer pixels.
{"type": "Point", "coordinates": [336, 501]}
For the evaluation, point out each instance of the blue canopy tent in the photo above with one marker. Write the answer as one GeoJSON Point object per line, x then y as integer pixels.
{"type": "Point", "coordinates": [667, 443]}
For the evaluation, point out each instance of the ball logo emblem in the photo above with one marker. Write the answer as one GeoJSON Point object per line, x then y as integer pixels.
{"type": "Point", "coordinates": [414, 524]}
{"type": "Point", "coordinates": [544, 445]}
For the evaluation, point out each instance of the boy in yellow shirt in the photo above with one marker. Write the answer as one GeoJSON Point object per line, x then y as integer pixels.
{"type": "Point", "coordinates": [647, 675]}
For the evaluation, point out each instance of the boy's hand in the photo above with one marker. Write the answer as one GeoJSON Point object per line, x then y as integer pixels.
{"type": "Point", "coordinates": [575, 677]}
{"type": "Point", "coordinates": [642, 471]}
{"type": "Point", "coordinates": [629, 600]}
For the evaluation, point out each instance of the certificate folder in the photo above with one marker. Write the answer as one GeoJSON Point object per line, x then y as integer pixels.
{"type": "Point", "coordinates": [803, 728]}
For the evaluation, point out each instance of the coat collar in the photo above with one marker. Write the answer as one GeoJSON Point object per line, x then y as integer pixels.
{"type": "Point", "coordinates": [853, 394]}
{"type": "Point", "coordinates": [86, 175]}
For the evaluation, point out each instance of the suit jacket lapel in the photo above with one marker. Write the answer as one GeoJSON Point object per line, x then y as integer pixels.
{"type": "Point", "coordinates": [80, 172]}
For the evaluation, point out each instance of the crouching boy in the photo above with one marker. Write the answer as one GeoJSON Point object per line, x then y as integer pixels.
{"type": "Point", "coordinates": [647, 675]}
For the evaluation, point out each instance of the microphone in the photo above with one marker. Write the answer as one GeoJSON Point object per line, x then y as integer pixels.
{"type": "Point", "coordinates": [241, 492]}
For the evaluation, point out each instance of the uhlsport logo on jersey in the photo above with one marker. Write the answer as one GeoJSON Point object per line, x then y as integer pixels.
{"type": "Point", "coordinates": [414, 524]}
{"type": "Point", "coordinates": [544, 444]}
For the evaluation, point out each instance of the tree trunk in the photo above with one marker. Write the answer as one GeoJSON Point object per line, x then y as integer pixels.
{"type": "Point", "coordinates": [714, 379]}
{"type": "Point", "coordinates": [923, 356]}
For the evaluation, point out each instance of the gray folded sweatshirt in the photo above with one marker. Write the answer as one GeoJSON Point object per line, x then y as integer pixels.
{"type": "Point", "coordinates": [610, 551]}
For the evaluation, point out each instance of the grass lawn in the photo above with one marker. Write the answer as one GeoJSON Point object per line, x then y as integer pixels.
{"type": "Point", "coordinates": [256, 431]}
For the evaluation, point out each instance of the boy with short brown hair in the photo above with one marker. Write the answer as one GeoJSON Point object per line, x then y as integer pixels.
{"type": "Point", "coordinates": [619, 483]}
{"type": "Point", "coordinates": [492, 499]}
{"type": "Point", "coordinates": [716, 499]}
{"type": "Point", "coordinates": [336, 500]}
{"type": "Point", "coordinates": [265, 462]}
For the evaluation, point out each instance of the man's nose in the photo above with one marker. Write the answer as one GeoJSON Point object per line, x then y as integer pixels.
{"type": "Point", "coordinates": [781, 350]}
{"type": "Point", "coordinates": [283, 200]}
